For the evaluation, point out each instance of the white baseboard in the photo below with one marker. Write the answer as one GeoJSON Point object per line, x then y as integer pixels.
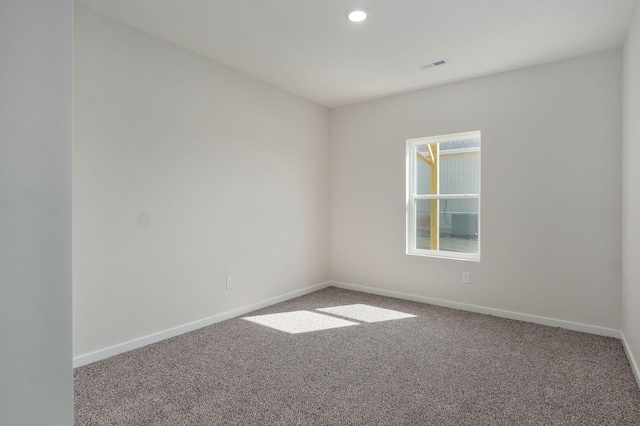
{"type": "Point", "coordinates": [632, 359]}
{"type": "Point", "coordinates": [162, 335]}
{"type": "Point", "coordinates": [602, 331]}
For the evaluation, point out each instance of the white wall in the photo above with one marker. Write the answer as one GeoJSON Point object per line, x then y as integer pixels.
{"type": "Point", "coordinates": [186, 172]}
{"type": "Point", "coordinates": [551, 157]}
{"type": "Point", "coordinates": [631, 192]}
{"type": "Point", "coordinates": [35, 212]}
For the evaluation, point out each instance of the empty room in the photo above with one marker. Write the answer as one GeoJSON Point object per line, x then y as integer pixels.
{"type": "Point", "coordinates": [319, 212]}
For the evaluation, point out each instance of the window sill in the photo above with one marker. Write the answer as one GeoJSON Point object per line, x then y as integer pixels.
{"type": "Point", "coordinates": [446, 255]}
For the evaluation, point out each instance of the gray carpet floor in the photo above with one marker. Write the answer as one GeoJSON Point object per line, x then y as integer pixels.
{"type": "Point", "coordinates": [441, 367]}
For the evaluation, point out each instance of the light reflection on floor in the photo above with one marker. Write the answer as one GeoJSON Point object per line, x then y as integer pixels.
{"type": "Point", "coordinates": [366, 313]}
{"type": "Point", "coordinates": [306, 321]}
{"type": "Point", "coordinates": [299, 321]}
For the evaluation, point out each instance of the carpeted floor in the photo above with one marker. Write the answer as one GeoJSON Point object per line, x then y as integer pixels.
{"type": "Point", "coordinates": [441, 367]}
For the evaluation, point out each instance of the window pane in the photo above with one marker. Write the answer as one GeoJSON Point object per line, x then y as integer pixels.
{"type": "Point", "coordinates": [423, 224]}
{"type": "Point", "coordinates": [458, 225]}
{"type": "Point", "coordinates": [458, 163]}
{"type": "Point", "coordinates": [423, 170]}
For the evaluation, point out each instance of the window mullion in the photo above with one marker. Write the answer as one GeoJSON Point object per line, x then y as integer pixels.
{"type": "Point", "coordinates": [445, 196]}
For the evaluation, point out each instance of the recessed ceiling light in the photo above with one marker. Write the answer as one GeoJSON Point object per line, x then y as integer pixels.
{"type": "Point", "coordinates": [357, 14]}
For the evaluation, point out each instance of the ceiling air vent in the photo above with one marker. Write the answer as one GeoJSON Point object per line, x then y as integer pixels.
{"type": "Point", "coordinates": [433, 64]}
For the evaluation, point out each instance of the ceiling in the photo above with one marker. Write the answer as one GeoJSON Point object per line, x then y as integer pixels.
{"type": "Point", "coordinates": [308, 47]}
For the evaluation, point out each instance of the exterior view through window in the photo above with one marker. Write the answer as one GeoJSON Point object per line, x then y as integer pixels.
{"type": "Point", "coordinates": [443, 196]}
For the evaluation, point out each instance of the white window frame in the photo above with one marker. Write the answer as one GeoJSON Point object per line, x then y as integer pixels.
{"type": "Point", "coordinates": [412, 197]}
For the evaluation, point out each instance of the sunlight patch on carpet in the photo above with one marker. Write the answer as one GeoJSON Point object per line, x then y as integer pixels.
{"type": "Point", "coordinates": [299, 321]}
{"type": "Point", "coordinates": [366, 313]}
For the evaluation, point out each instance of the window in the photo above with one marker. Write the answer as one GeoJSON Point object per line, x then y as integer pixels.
{"type": "Point", "coordinates": [443, 196]}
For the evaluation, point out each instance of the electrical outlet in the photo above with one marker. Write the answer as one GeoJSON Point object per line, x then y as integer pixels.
{"type": "Point", "coordinates": [229, 283]}
{"type": "Point", "coordinates": [466, 277]}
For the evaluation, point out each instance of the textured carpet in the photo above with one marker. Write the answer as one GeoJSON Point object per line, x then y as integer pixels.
{"type": "Point", "coordinates": [441, 367]}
